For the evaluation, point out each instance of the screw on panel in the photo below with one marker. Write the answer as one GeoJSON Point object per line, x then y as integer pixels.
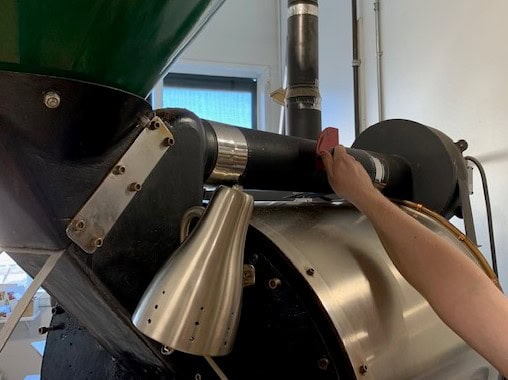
{"type": "Point", "coordinates": [363, 369]}
{"type": "Point", "coordinates": [310, 271]}
{"type": "Point", "coordinates": [51, 99]}
{"type": "Point", "coordinates": [168, 141]}
{"type": "Point", "coordinates": [119, 170]}
{"type": "Point", "coordinates": [97, 242]}
{"type": "Point", "coordinates": [155, 124]}
{"type": "Point", "coordinates": [274, 283]}
{"type": "Point", "coordinates": [44, 329]}
{"type": "Point", "coordinates": [323, 364]}
{"type": "Point", "coordinates": [78, 225]}
{"type": "Point", "coordinates": [135, 186]}
{"type": "Point", "coordinates": [166, 351]}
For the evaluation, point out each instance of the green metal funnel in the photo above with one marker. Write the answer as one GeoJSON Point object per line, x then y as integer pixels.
{"type": "Point", "coordinates": [126, 44]}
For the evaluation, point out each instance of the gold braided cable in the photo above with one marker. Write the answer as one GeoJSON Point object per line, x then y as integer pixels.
{"type": "Point", "coordinates": [472, 248]}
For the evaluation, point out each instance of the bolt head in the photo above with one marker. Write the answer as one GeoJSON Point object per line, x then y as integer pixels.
{"type": "Point", "coordinates": [51, 99]}
{"type": "Point", "coordinates": [78, 225]}
{"type": "Point", "coordinates": [135, 187]}
{"type": "Point", "coordinates": [274, 283]}
{"type": "Point", "coordinates": [323, 364]}
{"type": "Point", "coordinates": [97, 242]}
{"type": "Point", "coordinates": [166, 351]}
{"type": "Point", "coordinates": [168, 141]}
{"type": "Point", "coordinates": [119, 170]}
{"type": "Point", "coordinates": [155, 124]}
{"type": "Point", "coordinates": [310, 271]}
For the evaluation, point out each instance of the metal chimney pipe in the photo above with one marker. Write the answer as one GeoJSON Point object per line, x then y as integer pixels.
{"type": "Point", "coordinates": [302, 101]}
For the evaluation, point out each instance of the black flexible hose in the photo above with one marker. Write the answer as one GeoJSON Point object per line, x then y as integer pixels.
{"type": "Point", "coordinates": [489, 211]}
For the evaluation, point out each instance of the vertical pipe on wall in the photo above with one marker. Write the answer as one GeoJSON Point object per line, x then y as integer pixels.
{"type": "Point", "coordinates": [282, 117]}
{"type": "Point", "coordinates": [302, 101]}
{"type": "Point", "coordinates": [379, 54]}
{"type": "Point", "coordinates": [282, 17]}
{"type": "Point", "coordinates": [356, 68]}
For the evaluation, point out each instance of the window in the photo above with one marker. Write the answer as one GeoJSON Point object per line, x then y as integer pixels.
{"type": "Point", "coordinates": [11, 273]}
{"type": "Point", "coordinates": [13, 283]}
{"type": "Point", "coordinates": [227, 100]}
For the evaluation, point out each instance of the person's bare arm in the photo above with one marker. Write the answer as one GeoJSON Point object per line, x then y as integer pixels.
{"type": "Point", "coordinates": [459, 292]}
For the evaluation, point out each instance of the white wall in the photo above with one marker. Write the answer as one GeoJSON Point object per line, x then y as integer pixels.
{"type": "Point", "coordinates": [335, 68]}
{"type": "Point", "coordinates": [242, 38]}
{"type": "Point", "coordinates": [445, 64]}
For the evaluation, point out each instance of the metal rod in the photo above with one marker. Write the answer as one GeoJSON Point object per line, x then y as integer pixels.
{"type": "Point", "coordinates": [356, 68]}
{"type": "Point", "coordinates": [379, 54]}
{"type": "Point", "coordinates": [281, 10]}
{"type": "Point", "coordinates": [23, 303]}
{"type": "Point", "coordinates": [488, 210]}
{"type": "Point", "coordinates": [282, 123]}
{"type": "Point", "coordinates": [216, 368]}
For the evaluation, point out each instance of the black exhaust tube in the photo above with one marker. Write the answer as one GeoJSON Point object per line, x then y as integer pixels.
{"type": "Point", "coordinates": [303, 101]}
{"type": "Point", "coordinates": [260, 160]}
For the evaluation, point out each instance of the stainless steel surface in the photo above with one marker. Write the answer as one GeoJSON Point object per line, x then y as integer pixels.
{"type": "Point", "coordinates": [302, 9]}
{"type": "Point", "coordinates": [232, 155]}
{"type": "Point", "coordinates": [193, 303]}
{"type": "Point", "coordinates": [388, 330]}
{"type": "Point", "coordinates": [249, 272]}
{"type": "Point", "coordinates": [92, 223]}
{"type": "Point", "coordinates": [23, 303]}
{"type": "Point", "coordinates": [191, 214]}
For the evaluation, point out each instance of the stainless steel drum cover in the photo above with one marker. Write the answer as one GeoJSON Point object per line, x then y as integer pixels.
{"type": "Point", "coordinates": [387, 329]}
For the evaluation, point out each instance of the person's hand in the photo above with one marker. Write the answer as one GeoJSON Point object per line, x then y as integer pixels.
{"type": "Point", "coordinates": [346, 176]}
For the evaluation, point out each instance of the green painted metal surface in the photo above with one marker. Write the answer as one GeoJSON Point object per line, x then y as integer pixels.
{"type": "Point", "coordinates": [125, 44]}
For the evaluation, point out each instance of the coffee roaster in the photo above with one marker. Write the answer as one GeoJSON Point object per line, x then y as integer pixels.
{"type": "Point", "coordinates": [103, 201]}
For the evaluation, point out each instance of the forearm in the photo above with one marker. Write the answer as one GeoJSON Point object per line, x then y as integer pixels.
{"type": "Point", "coordinates": [415, 250]}
{"type": "Point", "coordinates": [460, 293]}
{"type": "Point", "coordinates": [427, 260]}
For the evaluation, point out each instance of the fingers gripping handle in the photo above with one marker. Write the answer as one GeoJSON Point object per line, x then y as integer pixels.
{"type": "Point", "coordinates": [388, 172]}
